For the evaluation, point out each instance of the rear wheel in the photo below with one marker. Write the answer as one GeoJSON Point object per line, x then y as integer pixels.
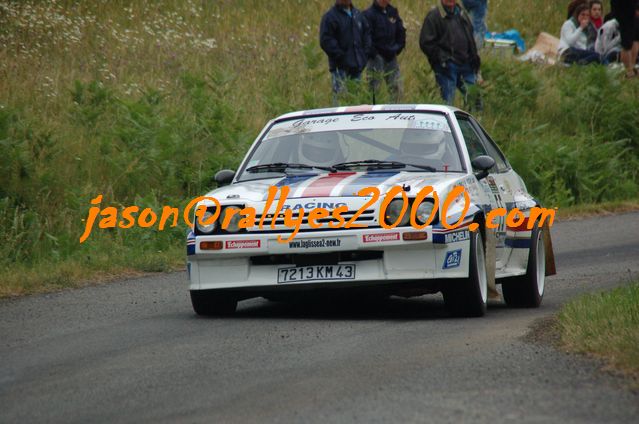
{"type": "Point", "coordinates": [527, 291]}
{"type": "Point", "coordinates": [210, 303]}
{"type": "Point", "coordinates": [468, 297]}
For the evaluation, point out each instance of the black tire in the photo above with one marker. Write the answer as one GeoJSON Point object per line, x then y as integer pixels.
{"type": "Point", "coordinates": [210, 303]}
{"type": "Point", "coordinates": [527, 291]}
{"type": "Point", "coordinates": [468, 297]}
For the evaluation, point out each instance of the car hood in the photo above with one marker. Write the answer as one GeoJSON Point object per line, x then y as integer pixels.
{"type": "Point", "coordinates": [339, 184]}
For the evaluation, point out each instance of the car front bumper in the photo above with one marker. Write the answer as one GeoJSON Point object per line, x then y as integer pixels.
{"type": "Point", "coordinates": [239, 262]}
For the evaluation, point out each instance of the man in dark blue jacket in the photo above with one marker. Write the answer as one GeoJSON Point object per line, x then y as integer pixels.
{"type": "Point", "coordinates": [447, 41]}
{"type": "Point", "coordinates": [389, 39]}
{"type": "Point", "coordinates": [346, 39]}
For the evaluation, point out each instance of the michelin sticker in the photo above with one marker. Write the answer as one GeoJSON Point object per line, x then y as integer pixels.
{"type": "Point", "coordinates": [457, 236]}
{"type": "Point", "coordinates": [453, 259]}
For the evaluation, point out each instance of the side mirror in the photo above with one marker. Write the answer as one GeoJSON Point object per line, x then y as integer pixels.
{"type": "Point", "coordinates": [482, 164]}
{"type": "Point", "coordinates": [224, 177]}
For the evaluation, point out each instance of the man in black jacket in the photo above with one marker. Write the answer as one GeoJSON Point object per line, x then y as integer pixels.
{"type": "Point", "coordinates": [447, 40]}
{"type": "Point", "coordinates": [389, 39]}
{"type": "Point", "coordinates": [346, 39]}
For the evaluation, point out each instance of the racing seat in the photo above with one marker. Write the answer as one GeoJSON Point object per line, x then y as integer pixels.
{"type": "Point", "coordinates": [320, 148]}
{"type": "Point", "coordinates": [421, 147]}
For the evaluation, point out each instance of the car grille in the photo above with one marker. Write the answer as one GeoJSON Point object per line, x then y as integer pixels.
{"type": "Point", "coordinates": [368, 218]}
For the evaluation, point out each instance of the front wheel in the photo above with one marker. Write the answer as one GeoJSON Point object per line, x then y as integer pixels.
{"type": "Point", "coordinates": [468, 297]}
{"type": "Point", "coordinates": [527, 291]}
{"type": "Point", "coordinates": [210, 303]}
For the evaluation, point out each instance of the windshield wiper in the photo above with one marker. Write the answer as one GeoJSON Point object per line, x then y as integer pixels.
{"type": "Point", "coordinates": [282, 166]}
{"type": "Point", "coordinates": [380, 164]}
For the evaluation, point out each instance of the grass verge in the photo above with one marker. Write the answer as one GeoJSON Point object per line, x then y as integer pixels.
{"type": "Point", "coordinates": [105, 266]}
{"type": "Point", "coordinates": [600, 209]}
{"type": "Point", "coordinates": [605, 325]}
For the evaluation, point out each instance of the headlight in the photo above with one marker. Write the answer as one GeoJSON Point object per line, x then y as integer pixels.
{"type": "Point", "coordinates": [203, 228]}
{"type": "Point", "coordinates": [393, 211]}
{"type": "Point", "coordinates": [424, 211]}
{"type": "Point", "coordinates": [234, 223]}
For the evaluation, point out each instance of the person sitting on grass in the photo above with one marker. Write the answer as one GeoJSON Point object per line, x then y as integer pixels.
{"type": "Point", "coordinates": [573, 5]}
{"type": "Point", "coordinates": [596, 13]}
{"type": "Point", "coordinates": [574, 40]}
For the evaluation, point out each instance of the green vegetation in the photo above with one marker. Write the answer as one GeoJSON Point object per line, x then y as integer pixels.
{"type": "Point", "coordinates": [143, 101]}
{"type": "Point", "coordinates": [605, 325]}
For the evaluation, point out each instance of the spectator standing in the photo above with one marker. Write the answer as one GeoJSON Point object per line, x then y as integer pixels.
{"type": "Point", "coordinates": [447, 40]}
{"type": "Point", "coordinates": [477, 9]}
{"type": "Point", "coordinates": [626, 12]}
{"type": "Point", "coordinates": [346, 39]}
{"type": "Point", "coordinates": [388, 39]}
{"type": "Point", "coordinates": [574, 40]}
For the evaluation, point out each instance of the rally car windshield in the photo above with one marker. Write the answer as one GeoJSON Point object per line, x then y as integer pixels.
{"type": "Point", "coordinates": [416, 142]}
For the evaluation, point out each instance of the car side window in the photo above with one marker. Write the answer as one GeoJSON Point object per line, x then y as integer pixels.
{"type": "Point", "coordinates": [493, 150]}
{"type": "Point", "coordinates": [473, 141]}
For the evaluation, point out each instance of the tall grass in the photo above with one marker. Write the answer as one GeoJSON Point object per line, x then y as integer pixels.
{"type": "Point", "coordinates": [143, 101]}
{"type": "Point", "coordinates": [605, 325]}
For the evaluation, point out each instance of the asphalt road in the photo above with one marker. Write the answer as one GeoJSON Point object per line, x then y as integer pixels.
{"type": "Point", "coordinates": [134, 351]}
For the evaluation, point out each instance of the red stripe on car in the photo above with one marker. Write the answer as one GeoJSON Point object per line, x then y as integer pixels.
{"type": "Point", "coordinates": [362, 108]}
{"type": "Point", "coordinates": [324, 186]}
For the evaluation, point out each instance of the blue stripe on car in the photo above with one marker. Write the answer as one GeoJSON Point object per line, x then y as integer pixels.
{"type": "Point", "coordinates": [370, 179]}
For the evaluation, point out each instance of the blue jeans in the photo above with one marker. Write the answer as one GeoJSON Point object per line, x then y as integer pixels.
{"type": "Point", "coordinates": [339, 78]}
{"type": "Point", "coordinates": [580, 57]}
{"type": "Point", "coordinates": [477, 10]}
{"type": "Point", "coordinates": [453, 76]}
{"type": "Point", "coordinates": [379, 69]}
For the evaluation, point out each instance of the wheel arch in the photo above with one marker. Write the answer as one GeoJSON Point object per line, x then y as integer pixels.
{"type": "Point", "coordinates": [490, 249]}
{"type": "Point", "coordinates": [551, 268]}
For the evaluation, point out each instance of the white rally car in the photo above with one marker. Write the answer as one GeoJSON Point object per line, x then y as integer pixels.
{"type": "Point", "coordinates": [325, 158]}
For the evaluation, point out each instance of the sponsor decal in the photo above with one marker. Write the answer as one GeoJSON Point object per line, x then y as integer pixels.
{"type": "Point", "coordinates": [314, 243]}
{"type": "Point", "coordinates": [316, 121]}
{"type": "Point", "coordinates": [242, 244]}
{"type": "Point", "coordinates": [453, 259]}
{"type": "Point", "coordinates": [427, 124]}
{"type": "Point", "coordinates": [380, 238]}
{"type": "Point", "coordinates": [314, 205]}
{"type": "Point", "coordinates": [456, 236]}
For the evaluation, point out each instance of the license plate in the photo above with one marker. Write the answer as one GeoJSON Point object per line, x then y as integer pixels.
{"type": "Point", "coordinates": [316, 273]}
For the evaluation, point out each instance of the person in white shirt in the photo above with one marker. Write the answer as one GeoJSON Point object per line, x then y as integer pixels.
{"type": "Point", "coordinates": [573, 42]}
